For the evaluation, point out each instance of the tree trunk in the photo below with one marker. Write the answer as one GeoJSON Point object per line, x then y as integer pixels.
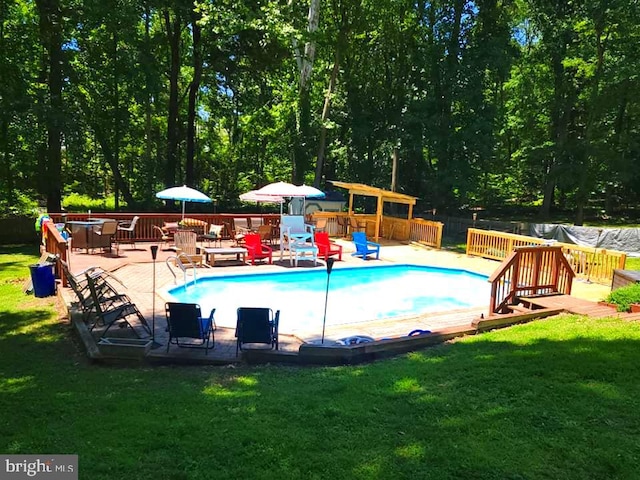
{"type": "Point", "coordinates": [303, 117]}
{"type": "Point", "coordinates": [116, 116]}
{"type": "Point", "coordinates": [173, 36]}
{"type": "Point", "coordinates": [193, 97]}
{"type": "Point", "coordinates": [51, 37]}
{"type": "Point", "coordinates": [325, 113]}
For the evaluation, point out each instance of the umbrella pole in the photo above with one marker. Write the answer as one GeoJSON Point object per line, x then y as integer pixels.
{"type": "Point", "coordinates": [183, 202]}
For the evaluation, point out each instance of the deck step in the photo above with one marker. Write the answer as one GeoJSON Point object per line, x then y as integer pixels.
{"type": "Point", "coordinates": [518, 308]}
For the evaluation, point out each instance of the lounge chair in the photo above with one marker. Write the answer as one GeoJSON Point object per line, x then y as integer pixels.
{"type": "Point", "coordinates": [111, 314]}
{"type": "Point", "coordinates": [327, 248]}
{"type": "Point", "coordinates": [256, 249]}
{"type": "Point", "coordinates": [129, 229]}
{"type": "Point", "coordinates": [257, 326]}
{"type": "Point", "coordinates": [107, 293]}
{"type": "Point", "coordinates": [185, 321]}
{"type": "Point", "coordinates": [186, 243]}
{"type": "Point", "coordinates": [364, 248]}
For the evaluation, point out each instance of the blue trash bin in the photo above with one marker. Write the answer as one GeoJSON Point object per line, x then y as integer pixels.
{"type": "Point", "coordinates": [43, 279]}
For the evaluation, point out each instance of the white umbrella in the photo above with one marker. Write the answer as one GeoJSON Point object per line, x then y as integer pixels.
{"type": "Point", "coordinates": [184, 194]}
{"type": "Point", "coordinates": [254, 196]}
{"type": "Point", "coordinates": [284, 189]}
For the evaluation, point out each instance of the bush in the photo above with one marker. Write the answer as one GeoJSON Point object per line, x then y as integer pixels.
{"type": "Point", "coordinates": [20, 204]}
{"type": "Point", "coordinates": [83, 203]}
{"type": "Point", "coordinates": [623, 297]}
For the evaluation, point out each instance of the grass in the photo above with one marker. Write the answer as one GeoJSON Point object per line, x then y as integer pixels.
{"type": "Point", "coordinates": [632, 263]}
{"type": "Point", "coordinates": [551, 399]}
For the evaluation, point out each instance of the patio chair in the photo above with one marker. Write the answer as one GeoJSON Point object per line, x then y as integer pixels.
{"type": "Point", "coordinates": [237, 233]}
{"type": "Point", "coordinates": [254, 223]}
{"type": "Point", "coordinates": [164, 234]}
{"type": "Point", "coordinates": [257, 326]}
{"type": "Point", "coordinates": [241, 225]}
{"type": "Point", "coordinates": [342, 225]}
{"type": "Point", "coordinates": [185, 321]}
{"type": "Point", "coordinates": [111, 314]}
{"type": "Point", "coordinates": [215, 234]}
{"type": "Point", "coordinates": [321, 225]}
{"type": "Point", "coordinates": [186, 243]}
{"type": "Point", "coordinates": [327, 248]}
{"type": "Point", "coordinates": [266, 233]}
{"type": "Point", "coordinates": [129, 229]}
{"type": "Point", "coordinates": [364, 248]}
{"type": "Point", "coordinates": [105, 234]}
{"type": "Point", "coordinates": [256, 249]}
{"type": "Point", "coordinates": [355, 226]}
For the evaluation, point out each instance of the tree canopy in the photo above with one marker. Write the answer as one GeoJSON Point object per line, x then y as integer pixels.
{"type": "Point", "coordinates": [485, 102]}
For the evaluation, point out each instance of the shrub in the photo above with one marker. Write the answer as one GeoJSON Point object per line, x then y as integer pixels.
{"type": "Point", "coordinates": [83, 203]}
{"type": "Point", "coordinates": [623, 297]}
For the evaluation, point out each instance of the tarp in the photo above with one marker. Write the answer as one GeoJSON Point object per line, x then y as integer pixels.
{"type": "Point", "coordinates": [621, 239]}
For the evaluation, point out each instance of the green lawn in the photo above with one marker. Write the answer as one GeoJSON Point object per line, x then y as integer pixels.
{"type": "Point", "coordinates": [632, 263]}
{"type": "Point", "coordinates": [557, 398]}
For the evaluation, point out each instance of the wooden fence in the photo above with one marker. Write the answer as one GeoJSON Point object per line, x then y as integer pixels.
{"type": "Point", "coordinates": [588, 263]}
{"type": "Point", "coordinates": [426, 232]}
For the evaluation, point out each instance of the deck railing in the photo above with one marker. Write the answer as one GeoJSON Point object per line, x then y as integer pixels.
{"type": "Point", "coordinates": [593, 264]}
{"type": "Point", "coordinates": [426, 232]}
{"type": "Point", "coordinates": [144, 230]}
{"type": "Point", "coordinates": [54, 243]}
{"type": "Point", "coordinates": [529, 271]}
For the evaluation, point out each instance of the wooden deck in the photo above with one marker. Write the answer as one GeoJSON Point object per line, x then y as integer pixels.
{"type": "Point", "coordinates": [578, 306]}
{"type": "Point", "coordinates": [135, 266]}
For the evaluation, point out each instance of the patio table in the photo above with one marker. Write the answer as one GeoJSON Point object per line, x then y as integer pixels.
{"type": "Point", "coordinates": [239, 252]}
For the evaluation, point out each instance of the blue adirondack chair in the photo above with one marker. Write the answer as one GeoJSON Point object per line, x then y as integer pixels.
{"type": "Point", "coordinates": [364, 248]}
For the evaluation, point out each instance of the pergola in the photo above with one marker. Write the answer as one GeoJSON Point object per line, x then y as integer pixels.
{"type": "Point", "coordinates": [382, 196]}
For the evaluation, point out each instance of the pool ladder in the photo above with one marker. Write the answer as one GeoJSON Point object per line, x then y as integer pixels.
{"type": "Point", "coordinates": [179, 261]}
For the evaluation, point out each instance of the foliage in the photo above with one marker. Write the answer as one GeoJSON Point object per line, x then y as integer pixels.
{"type": "Point", "coordinates": [623, 297]}
{"type": "Point", "coordinates": [466, 409]}
{"type": "Point", "coordinates": [482, 103]}
{"type": "Point", "coordinates": [84, 203]}
{"type": "Point", "coordinates": [21, 204]}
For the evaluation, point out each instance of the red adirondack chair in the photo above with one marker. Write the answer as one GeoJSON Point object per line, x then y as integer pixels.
{"type": "Point", "coordinates": [256, 249]}
{"type": "Point", "coordinates": [327, 248]}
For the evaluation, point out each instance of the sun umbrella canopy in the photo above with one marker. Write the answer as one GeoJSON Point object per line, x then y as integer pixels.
{"type": "Point", "coordinates": [284, 189]}
{"type": "Point", "coordinates": [184, 194]}
{"type": "Point", "coordinates": [254, 196]}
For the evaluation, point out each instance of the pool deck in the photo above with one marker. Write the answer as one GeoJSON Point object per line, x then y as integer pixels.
{"type": "Point", "coordinates": [135, 267]}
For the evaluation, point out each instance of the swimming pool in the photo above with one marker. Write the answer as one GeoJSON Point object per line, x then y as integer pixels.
{"type": "Point", "coordinates": [356, 294]}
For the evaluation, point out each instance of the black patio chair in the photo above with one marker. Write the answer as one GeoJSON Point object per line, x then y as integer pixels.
{"type": "Point", "coordinates": [185, 321]}
{"type": "Point", "coordinates": [257, 326]}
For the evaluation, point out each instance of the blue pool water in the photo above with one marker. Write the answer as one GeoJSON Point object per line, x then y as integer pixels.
{"type": "Point", "coordinates": [356, 294]}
